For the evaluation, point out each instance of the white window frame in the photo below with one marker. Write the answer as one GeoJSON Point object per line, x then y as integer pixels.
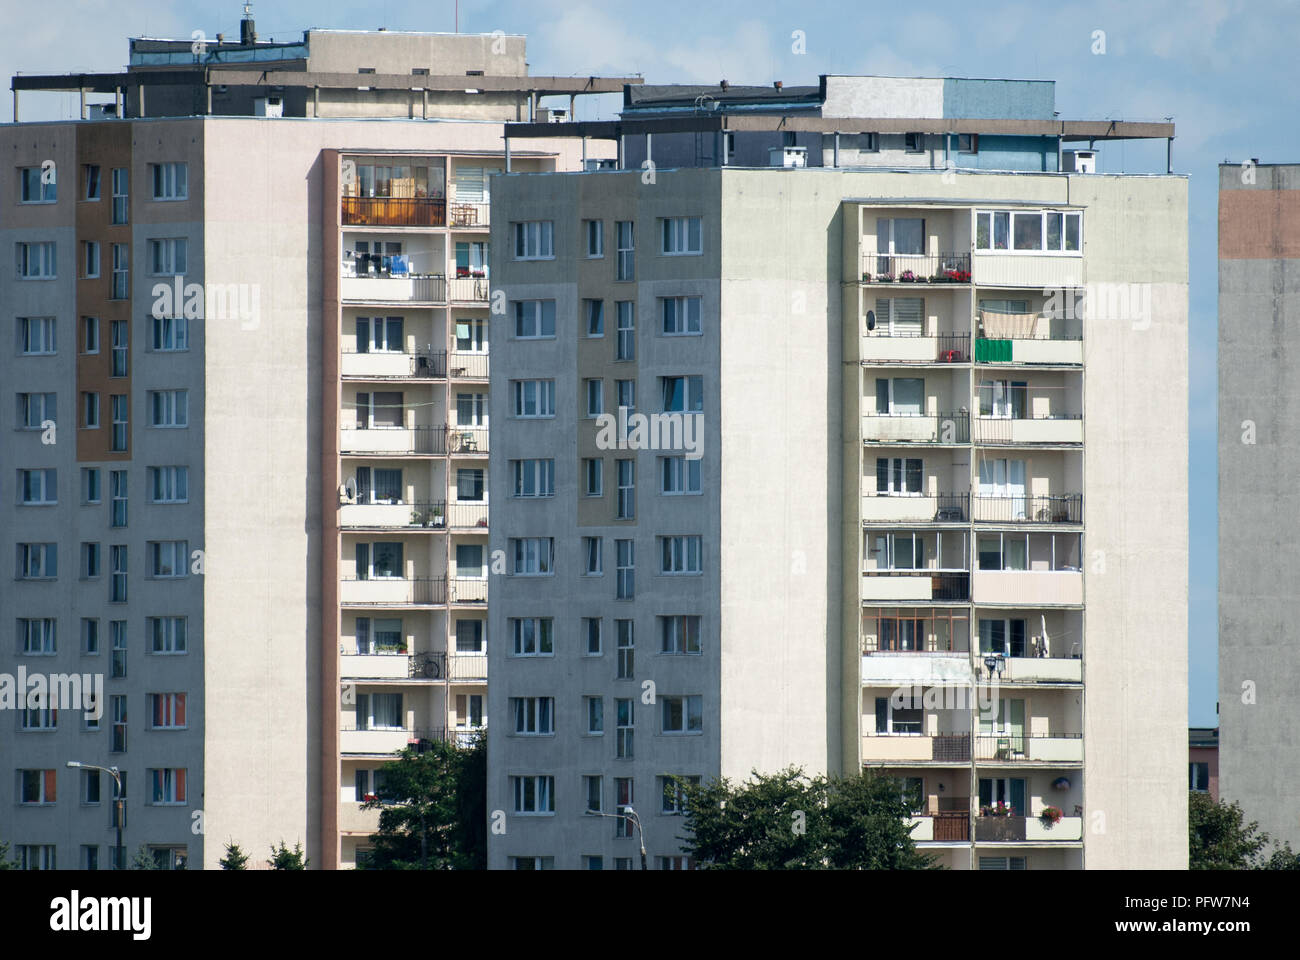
{"type": "Point", "coordinates": [593, 390]}
{"type": "Point", "coordinates": [38, 260]}
{"type": "Point", "coordinates": [593, 235]}
{"type": "Point", "coordinates": [170, 334]}
{"type": "Point", "coordinates": [39, 636]}
{"type": "Point", "coordinates": [681, 555]}
{"type": "Point", "coordinates": [531, 636]}
{"type": "Point", "coordinates": [43, 481]}
{"type": "Point", "coordinates": [690, 709]}
{"type": "Point", "coordinates": [160, 551]}
{"type": "Point", "coordinates": [681, 316]}
{"type": "Point", "coordinates": [532, 479]}
{"type": "Point", "coordinates": [680, 476]}
{"type": "Point", "coordinates": [44, 192]}
{"type": "Point", "coordinates": [593, 556]}
{"type": "Point", "coordinates": [533, 716]}
{"type": "Point", "coordinates": [90, 259]}
{"type": "Point", "coordinates": [37, 336]}
{"type": "Point", "coordinates": [542, 400]}
{"type": "Point", "coordinates": [170, 180]}
{"type": "Point", "coordinates": [593, 469]}
{"type": "Point", "coordinates": [677, 234]}
{"type": "Point", "coordinates": [625, 247]}
{"type": "Point", "coordinates": [680, 634]}
{"type": "Point", "coordinates": [169, 409]}
{"type": "Point", "coordinates": [534, 319]}
{"type": "Point", "coordinates": [1042, 249]}
{"type": "Point", "coordinates": [35, 408]}
{"type": "Point", "coordinates": [692, 393]}
{"type": "Point", "coordinates": [38, 561]}
{"type": "Point", "coordinates": [168, 635]}
{"type": "Point", "coordinates": [168, 256]}
{"type": "Point", "coordinates": [624, 330]}
{"type": "Point", "coordinates": [532, 556]}
{"type": "Point", "coordinates": [170, 484]}
{"type": "Point", "coordinates": [534, 795]}
{"type": "Point", "coordinates": [534, 239]}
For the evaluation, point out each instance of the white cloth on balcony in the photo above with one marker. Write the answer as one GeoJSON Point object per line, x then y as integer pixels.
{"type": "Point", "coordinates": [1009, 326]}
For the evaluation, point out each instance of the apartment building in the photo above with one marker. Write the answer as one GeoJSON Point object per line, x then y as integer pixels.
{"type": "Point", "coordinates": [909, 491]}
{"type": "Point", "coordinates": [1259, 295]}
{"type": "Point", "coordinates": [251, 295]}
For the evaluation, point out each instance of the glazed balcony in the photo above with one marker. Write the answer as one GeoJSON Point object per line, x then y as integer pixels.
{"type": "Point", "coordinates": [394, 211]}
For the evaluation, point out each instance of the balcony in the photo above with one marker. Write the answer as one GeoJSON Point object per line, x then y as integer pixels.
{"type": "Point", "coordinates": [355, 821]}
{"type": "Point", "coordinates": [896, 748]}
{"type": "Point", "coordinates": [1041, 431]}
{"type": "Point", "coordinates": [1027, 270]}
{"type": "Point", "coordinates": [468, 516]}
{"type": "Point", "coordinates": [1027, 829]}
{"type": "Point", "coordinates": [890, 586]}
{"type": "Point", "coordinates": [468, 366]}
{"type": "Point", "coordinates": [1059, 508]}
{"type": "Point", "coordinates": [1028, 587]}
{"type": "Point", "coordinates": [944, 348]}
{"type": "Point", "coordinates": [414, 516]}
{"type": "Point", "coordinates": [906, 269]}
{"type": "Point", "coordinates": [469, 590]}
{"type": "Point", "coordinates": [940, 428]}
{"type": "Point", "coordinates": [393, 591]}
{"type": "Point", "coordinates": [1029, 748]}
{"type": "Point", "coordinates": [431, 365]}
{"type": "Point", "coordinates": [1042, 670]}
{"type": "Point", "coordinates": [394, 211]}
{"type": "Point", "coordinates": [465, 441]}
{"type": "Point", "coordinates": [942, 828]}
{"type": "Point", "coordinates": [401, 441]}
{"type": "Point", "coordinates": [467, 667]}
{"type": "Point", "coordinates": [468, 290]}
{"type": "Point", "coordinates": [940, 508]}
{"type": "Point", "coordinates": [999, 829]}
{"type": "Point", "coordinates": [374, 666]}
{"type": "Point", "coordinates": [1065, 829]}
{"type": "Point", "coordinates": [465, 213]}
{"type": "Point", "coordinates": [1028, 338]}
{"type": "Point", "coordinates": [394, 288]}
{"type": "Point", "coordinates": [911, 667]}
{"type": "Point", "coordinates": [375, 742]}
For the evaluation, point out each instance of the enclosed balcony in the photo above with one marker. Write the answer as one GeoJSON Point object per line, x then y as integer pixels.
{"type": "Point", "coordinates": [1029, 646]}
{"type": "Point", "coordinates": [906, 645]}
{"type": "Point", "coordinates": [915, 565]}
{"type": "Point", "coordinates": [1028, 569]}
{"type": "Point", "coordinates": [1027, 247]}
{"type": "Point", "coordinates": [395, 211]}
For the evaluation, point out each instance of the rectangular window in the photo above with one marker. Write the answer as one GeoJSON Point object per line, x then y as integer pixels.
{"type": "Point", "coordinates": [593, 789]}
{"type": "Point", "coordinates": [35, 186]}
{"type": "Point", "coordinates": [682, 235]}
{"type": "Point", "coordinates": [591, 630]}
{"type": "Point", "coordinates": [91, 174]}
{"type": "Point", "coordinates": [914, 142]}
{"type": "Point", "coordinates": [117, 727]}
{"type": "Point", "coordinates": [170, 181]}
{"type": "Point", "coordinates": [40, 718]}
{"type": "Point", "coordinates": [469, 636]}
{"type": "Point", "coordinates": [533, 478]}
{"type": "Point", "coordinates": [682, 714]}
{"type": "Point", "coordinates": [169, 408]}
{"type": "Point", "coordinates": [117, 648]}
{"type": "Point", "coordinates": [625, 471]}
{"type": "Point", "coordinates": [679, 476]}
{"type": "Point", "coordinates": [534, 716]}
{"type": "Point", "coordinates": [38, 561]}
{"type": "Point", "coordinates": [38, 638]}
{"type": "Point", "coordinates": [681, 315]}
{"type": "Point", "coordinates": [534, 795]}
{"type": "Point", "coordinates": [89, 637]}
{"type": "Point", "coordinates": [36, 336]}
{"type": "Point", "coordinates": [534, 319]}
{"type": "Point", "coordinates": [167, 786]}
{"type": "Point", "coordinates": [118, 441]}
{"type": "Point", "coordinates": [592, 559]}
{"type": "Point", "coordinates": [968, 143]}
{"type": "Point", "coordinates": [37, 786]}
{"type": "Point", "coordinates": [166, 634]}
{"type": "Point", "coordinates": [38, 487]}
{"type": "Point", "coordinates": [169, 484]}
{"type": "Point", "coordinates": [36, 856]}
{"type": "Point", "coordinates": [168, 256]}
{"type": "Point", "coordinates": [625, 572]}
{"type": "Point", "coordinates": [625, 269]}
{"type": "Point", "coordinates": [38, 261]}
{"type": "Point", "coordinates": [117, 492]}
{"type": "Point", "coordinates": [680, 555]}
{"type": "Point", "coordinates": [121, 271]}
{"type": "Point", "coordinates": [90, 334]}
{"type": "Point", "coordinates": [594, 390]}
{"type": "Point", "coordinates": [622, 802]}
{"type": "Point", "coordinates": [623, 729]}
{"type": "Point", "coordinates": [119, 333]}
{"type": "Point", "coordinates": [90, 485]}
{"type": "Point", "coordinates": [90, 411]}
{"type": "Point", "coordinates": [533, 398]}
{"type": "Point", "coordinates": [594, 233]}
{"type": "Point", "coordinates": [625, 393]}
{"type": "Point", "coordinates": [35, 408]}
{"type": "Point", "coordinates": [1029, 231]}
{"type": "Point", "coordinates": [899, 476]}
{"type": "Point", "coordinates": [593, 469]}
{"type": "Point", "coordinates": [673, 792]}
{"type": "Point", "coordinates": [594, 312]}
{"type": "Point", "coordinates": [683, 394]}
{"type": "Point", "coordinates": [534, 240]}
{"type": "Point", "coordinates": [120, 191]}
{"type": "Point", "coordinates": [595, 712]}
{"type": "Point", "coordinates": [90, 787]}
{"type": "Point", "coordinates": [625, 334]}
{"type": "Point", "coordinates": [533, 556]}
{"type": "Point", "coordinates": [681, 634]}
{"type": "Point", "coordinates": [625, 653]}
{"type": "Point", "coordinates": [532, 636]}
{"type": "Point", "coordinates": [90, 259]}
{"type": "Point", "coordinates": [117, 579]}
{"type": "Point", "coordinates": [90, 567]}
{"type": "Point", "coordinates": [167, 711]}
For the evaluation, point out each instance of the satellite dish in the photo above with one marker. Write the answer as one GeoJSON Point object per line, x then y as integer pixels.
{"type": "Point", "coordinates": [351, 488]}
{"type": "Point", "coordinates": [871, 319]}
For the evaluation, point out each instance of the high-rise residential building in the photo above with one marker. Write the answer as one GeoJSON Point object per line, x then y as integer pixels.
{"type": "Point", "coordinates": [896, 475]}
{"type": "Point", "coordinates": [1259, 303]}
{"type": "Point", "coordinates": [244, 474]}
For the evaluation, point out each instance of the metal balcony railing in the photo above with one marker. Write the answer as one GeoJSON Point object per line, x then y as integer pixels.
{"type": "Point", "coordinates": [1008, 747]}
{"type": "Point", "coordinates": [469, 590]}
{"type": "Point", "coordinates": [469, 366]}
{"type": "Point", "coordinates": [420, 591]}
{"type": "Point", "coordinates": [429, 364]}
{"type": "Point", "coordinates": [469, 515]}
{"type": "Point", "coordinates": [427, 666]}
{"type": "Point", "coordinates": [394, 211]}
{"type": "Point", "coordinates": [468, 289]}
{"type": "Point", "coordinates": [417, 440]}
{"type": "Point", "coordinates": [1003, 429]}
{"type": "Point", "coordinates": [465, 440]}
{"type": "Point", "coordinates": [951, 747]}
{"type": "Point", "coordinates": [999, 829]}
{"type": "Point", "coordinates": [466, 213]}
{"type": "Point", "coordinates": [903, 268]}
{"type": "Point", "coordinates": [1054, 508]}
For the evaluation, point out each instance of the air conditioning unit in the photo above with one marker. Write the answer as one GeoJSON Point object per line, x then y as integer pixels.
{"type": "Point", "coordinates": [552, 115]}
{"type": "Point", "coordinates": [1079, 161]}
{"type": "Point", "coordinates": [593, 164]}
{"type": "Point", "coordinates": [268, 107]}
{"type": "Point", "coordinates": [787, 156]}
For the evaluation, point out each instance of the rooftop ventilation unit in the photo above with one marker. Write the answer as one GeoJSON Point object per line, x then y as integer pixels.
{"type": "Point", "coordinates": [1079, 161]}
{"type": "Point", "coordinates": [268, 107]}
{"type": "Point", "coordinates": [787, 156]}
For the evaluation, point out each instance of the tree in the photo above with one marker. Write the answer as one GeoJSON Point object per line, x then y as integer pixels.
{"type": "Point", "coordinates": [235, 858]}
{"type": "Point", "coordinates": [787, 821]}
{"type": "Point", "coordinates": [433, 809]}
{"type": "Point", "coordinates": [1281, 859]}
{"type": "Point", "coordinates": [1218, 838]}
{"type": "Point", "coordinates": [282, 858]}
{"type": "Point", "coordinates": [5, 862]}
{"type": "Point", "coordinates": [145, 860]}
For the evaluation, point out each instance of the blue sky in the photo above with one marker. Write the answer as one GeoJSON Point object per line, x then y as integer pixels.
{"type": "Point", "coordinates": [1223, 69]}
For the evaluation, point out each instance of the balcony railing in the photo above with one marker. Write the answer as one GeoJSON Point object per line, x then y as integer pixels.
{"type": "Point", "coordinates": [468, 289]}
{"type": "Point", "coordinates": [469, 590]}
{"type": "Point", "coordinates": [427, 666]}
{"type": "Point", "coordinates": [394, 440]}
{"type": "Point", "coordinates": [395, 287]}
{"type": "Point", "coordinates": [902, 585]}
{"type": "Point", "coordinates": [954, 747]}
{"type": "Point", "coordinates": [468, 515]}
{"type": "Point", "coordinates": [1064, 429]}
{"type": "Point", "coordinates": [916, 428]}
{"type": "Point", "coordinates": [881, 346]}
{"type": "Point", "coordinates": [465, 213]}
{"type": "Point", "coordinates": [902, 508]}
{"type": "Point", "coordinates": [1060, 508]}
{"type": "Point", "coordinates": [905, 268]}
{"type": "Point", "coordinates": [1029, 747]}
{"type": "Point", "coordinates": [395, 211]}
{"type": "Point", "coordinates": [999, 829]}
{"type": "Point", "coordinates": [384, 365]}
{"type": "Point", "coordinates": [952, 827]}
{"type": "Point", "coordinates": [466, 440]}
{"type": "Point", "coordinates": [419, 515]}
{"type": "Point", "coordinates": [393, 591]}
{"type": "Point", "coordinates": [468, 366]}
{"type": "Point", "coordinates": [467, 666]}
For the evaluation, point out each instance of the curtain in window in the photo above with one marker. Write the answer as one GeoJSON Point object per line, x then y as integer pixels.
{"type": "Point", "coordinates": [909, 396]}
{"type": "Point", "coordinates": [388, 486]}
{"type": "Point", "coordinates": [387, 710]}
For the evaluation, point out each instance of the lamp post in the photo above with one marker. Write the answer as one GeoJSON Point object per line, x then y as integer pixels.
{"type": "Point", "coordinates": [629, 815]}
{"type": "Point", "coordinates": [119, 804]}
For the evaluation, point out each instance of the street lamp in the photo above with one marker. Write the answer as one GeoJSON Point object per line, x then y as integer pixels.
{"type": "Point", "coordinates": [629, 815]}
{"type": "Point", "coordinates": [119, 804]}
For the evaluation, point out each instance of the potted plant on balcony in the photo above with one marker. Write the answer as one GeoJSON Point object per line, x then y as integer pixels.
{"type": "Point", "coordinates": [418, 518]}
{"type": "Point", "coordinates": [907, 276]}
{"type": "Point", "coordinates": [1050, 816]}
{"type": "Point", "coordinates": [436, 516]}
{"type": "Point", "coordinates": [999, 809]}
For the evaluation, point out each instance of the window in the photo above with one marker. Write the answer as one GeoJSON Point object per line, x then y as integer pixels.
{"type": "Point", "coordinates": [90, 334]}
{"type": "Point", "coordinates": [673, 792]}
{"type": "Point", "coordinates": [168, 558]}
{"type": "Point", "coordinates": [1198, 777]}
{"type": "Point", "coordinates": [681, 315]}
{"type": "Point", "coordinates": [119, 333]}
{"type": "Point", "coordinates": [892, 719]}
{"type": "Point", "coordinates": [968, 143]}
{"type": "Point", "coordinates": [471, 409]}
{"type": "Point", "coordinates": [625, 338]}
{"type": "Point", "coordinates": [622, 803]}
{"type": "Point", "coordinates": [898, 236]}
{"type": "Point", "coordinates": [90, 485]}
{"type": "Point", "coordinates": [681, 236]}
{"type": "Point", "coordinates": [532, 863]}
{"type": "Point", "coordinates": [169, 181]}
{"type": "Point", "coordinates": [591, 629]}
{"type": "Point", "coordinates": [469, 484]}
{"type": "Point", "coordinates": [89, 856]}
{"type": "Point", "coordinates": [38, 261]}
{"type": "Point", "coordinates": [593, 788]}
{"type": "Point", "coordinates": [534, 240]}
{"type": "Point", "coordinates": [593, 477]}
{"type": "Point", "coordinates": [1002, 863]}
{"type": "Point", "coordinates": [533, 556]}
{"type": "Point", "coordinates": [534, 319]}
{"type": "Point", "coordinates": [625, 471]}
{"type": "Point", "coordinates": [117, 491]}
{"type": "Point", "coordinates": [594, 311]}
{"type": "Point", "coordinates": [914, 142]}
{"type": "Point", "coordinates": [899, 476]}
{"type": "Point", "coordinates": [625, 662]}
{"type": "Point", "coordinates": [167, 711]}
{"type": "Point", "coordinates": [40, 718]}
{"type": "Point", "coordinates": [625, 268]}
{"type": "Point", "coordinates": [533, 478]}
{"type": "Point", "coordinates": [90, 565]}
{"type": "Point", "coordinates": [117, 579]}
{"type": "Point", "coordinates": [471, 335]}
{"type": "Point", "coordinates": [35, 408]}
{"type": "Point", "coordinates": [168, 257]}
{"type": "Point", "coordinates": [169, 484]}
{"type": "Point", "coordinates": [532, 636]}
{"type": "Point", "coordinates": [91, 175]}
{"type": "Point", "coordinates": [534, 795]}
{"type": "Point", "coordinates": [1031, 231]}
{"type": "Point", "coordinates": [533, 398]}
{"type": "Point", "coordinates": [469, 711]}
{"type": "Point", "coordinates": [166, 634]}
{"type": "Point", "coordinates": [625, 571]}
{"type": "Point", "coordinates": [89, 637]}
{"type": "Point", "coordinates": [1000, 790]}
{"type": "Point", "coordinates": [681, 634]}
{"type": "Point", "coordinates": [38, 487]}
{"type": "Point", "coordinates": [38, 561]}
{"type": "Point", "coordinates": [118, 441]}
{"type": "Point", "coordinates": [169, 408]}
{"type": "Point", "coordinates": [90, 411]}
{"type": "Point", "coordinates": [35, 187]}
{"type": "Point", "coordinates": [121, 270]}
{"type": "Point", "coordinates": [36, 856]}
{"type": "Point", "coordinates": [534, 716]}
{"type": "Point", "coordinates": [680, 555]}
{"type": "Point", "coordinates": [595, 712]}
{"type": "Point", "coordinates": [90, 259]}
{"type": "Point", "coordinates": [625, 392]}
{"type": "Point", "coordinates": [119, 194]}
{"type": "Point", "coordinates": [36, 336]}
{"type": "Point", "coordinates": [380, 560]}
{"type": "Point", "coordinates": [900, 396]}
{"type": "Point", "coordinates": [673, 863]}
{"type": "Point", "coordinates": [38, 638]}
{"type": "Point", "coordinates": [594, 390]}
{"type": "Point", "coordinates": [592, 559]}
{"type": "Point", "coordinates": [167, 785]}
{"type": "Point", "coordinates": [898, 317]}
{"type": "Point", "coordinates": [683, 394]}
{"type": "Point", "coordinates": [117, 649]}
{"type": "Point", "coordinates": [679, 475]}
{"type": "Point", "coordinates": [470, 564]}
{"type": "Point", "coordinates": [1006, 637]}
{"type": "Point", "coordinates": [90, 787]}
{"type": "Point", "coordinates": [594, 233]}
{"type": "Point", "coordinates": [682, 714]}
{"type": "Point", "coordinates": [623, 729]}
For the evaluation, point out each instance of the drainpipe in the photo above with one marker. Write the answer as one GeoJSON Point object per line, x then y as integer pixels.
{"type": "Point", "coordinates": [835, 162]}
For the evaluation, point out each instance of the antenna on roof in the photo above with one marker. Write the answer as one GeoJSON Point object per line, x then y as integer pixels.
{"type": "Point", "coordinates": [247, 31]}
